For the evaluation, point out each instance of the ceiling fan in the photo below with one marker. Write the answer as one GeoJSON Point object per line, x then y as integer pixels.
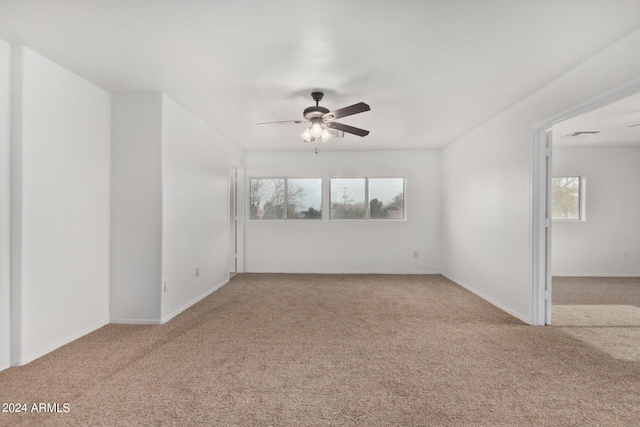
{"type": "Point", "coordinates": [321, 119]}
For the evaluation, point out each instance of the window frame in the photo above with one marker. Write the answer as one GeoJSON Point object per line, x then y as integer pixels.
{"type": "Point", "coordinates": [286, 193]}
{"type": "Point", "coordinates": [582, 191]}
{"type": "Point", "coordinates": [367, 213]}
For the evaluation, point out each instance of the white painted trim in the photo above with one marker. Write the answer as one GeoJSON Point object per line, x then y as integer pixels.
{"type": "Point", "coordinates": [489, 300]}
{"type": "Point", "coordinates": [5, 365]}
{"type": "Point", "coordinates": [240, 200]}
{"type": "Point", "coordinates": [240, 203]}
{"type": "Point", "coordinates": [537, 230]}
{"type": "Point", "coordinates": [539, 198]}
{"type": "Point", "coordinates": [597, 275]}
{"type": "Point", "coordinates": [231, 220]}
{"type": "Point", "coordinates": [173, 314]}
{"type": "Point", "coordinates": [136, 322]}
{"type": "Point", "coordinates": [28, 358]}
{"type": "Point", "coordinates": [193, 302]}
{"type": "Point", "coordinates": [343, 272]}
{"type": "Point", "coordinates": [594, 103]}
{"type": "Point", "coordinates": [235, 164]}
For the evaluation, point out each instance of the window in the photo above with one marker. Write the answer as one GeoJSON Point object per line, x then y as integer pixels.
{"type": "Point", "coordinates": [568, 198]}
{"type": "Point", "coordinates": [367, 198]}
{"type": "Point", "coordinates": [348, 198]}
{"type": "Point", "coordinates": [386, 198]}
{"type": "Point", "coordinates": [282, 198]}
{"type": "Point", "coordinates": [304, 198]}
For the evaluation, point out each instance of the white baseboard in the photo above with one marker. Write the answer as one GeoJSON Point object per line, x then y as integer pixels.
{"type": "Point", "coordinates": [194, 301]}
{"type": "Point", "coordinates": [170, 316]}
{"type": "Point", "coordinates": [28, 358]}
{"type": "Point", "coordinates": [517, 315]}
{"type": "Point", "coordinates": [595, 275]}
{"type": "Point", "coordinates": [5, 365]}
{"type": "Point", "coordinates": [342, 272]}
{"type": "Point", "coordinates": [136, 321]}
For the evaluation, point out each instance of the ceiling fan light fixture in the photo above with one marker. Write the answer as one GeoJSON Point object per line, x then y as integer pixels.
{"type": "Point", "coordinates": [316, 128]}
{"type": "Point", "coordinates": [326, 135]}
{"type": "Point", "coordinates": [306, 135]}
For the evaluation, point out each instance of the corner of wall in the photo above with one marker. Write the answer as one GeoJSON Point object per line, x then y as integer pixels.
{"type": "Point", "coordinates": [16, 204]}
{"type": "Point", "coordinates": [5, 204]}
{"type": "Point", "coordinates": [169, 316]}
{"type": "Point", "coordinates": [136, 208]}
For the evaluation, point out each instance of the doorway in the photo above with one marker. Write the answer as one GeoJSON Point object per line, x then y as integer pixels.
{"type": "Point", "coordinates": [543, 137]}
{"type": "Point", "coordinates": [596, 235]}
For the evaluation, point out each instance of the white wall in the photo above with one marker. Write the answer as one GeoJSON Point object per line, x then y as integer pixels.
{"type": "Point", "coordinates": [5, 206]}
{"type": "Point", "coordinates": [136, 211]}
{"type": "Point", "coordinates": [596, 247]}
{"type": "Point", "coordinates": [169, 208]}
{"type": "Point", "coordinates": [325, 246]}
{"type": "Point", "coordinates": [195, 162]}
{"type": "Point", "coordinates": [486, 209]}
{"type": "Point", "coordinates": [61, 132]}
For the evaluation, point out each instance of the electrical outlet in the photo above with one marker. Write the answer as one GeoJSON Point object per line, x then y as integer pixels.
{"type": "Point", "coordinates": [197, 271]}
{"type": "Point", "coordinates": [626, 255]}
{"type": "Point", "coordinates": [166, 286]}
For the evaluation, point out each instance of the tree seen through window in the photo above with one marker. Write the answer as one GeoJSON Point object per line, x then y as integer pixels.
{"type": "Point", "coordinates": [566, 197]}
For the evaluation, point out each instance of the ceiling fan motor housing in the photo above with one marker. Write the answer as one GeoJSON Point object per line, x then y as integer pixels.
{"type": "Point", "coordinates": [314, 111]}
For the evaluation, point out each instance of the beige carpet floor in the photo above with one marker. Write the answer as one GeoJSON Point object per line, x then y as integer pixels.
{"type": "Point", "coordinates": [603, 312]}
{"type": "Point", "coordinates": [595, 315]}
{"type": "Point", "coordinates": [330, 350]}
{"type": "Point", "coordinates": [596, 290]}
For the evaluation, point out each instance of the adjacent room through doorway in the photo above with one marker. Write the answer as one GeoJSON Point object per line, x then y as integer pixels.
{"type": "Point", "coordinates": [595, 243]}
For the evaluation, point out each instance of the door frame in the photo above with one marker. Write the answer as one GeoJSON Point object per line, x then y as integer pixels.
{"type": "Point", "coordinates": [238, 168]}
{"type": "Point", "coordinates": [541, 224]}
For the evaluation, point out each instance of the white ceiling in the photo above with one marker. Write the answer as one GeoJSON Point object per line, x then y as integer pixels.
{"type": "Point", "coordinates": [618, 125]}
{"type": "Point", "coordinates": [430, 70]}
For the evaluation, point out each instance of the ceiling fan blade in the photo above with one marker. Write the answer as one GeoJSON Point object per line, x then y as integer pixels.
{"type": "Point", "coordinates": [348, 129]}
{"type": "Point", "coordinates": [283, 122]}
{"type": "Point", "coordinates": [360, 107]}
